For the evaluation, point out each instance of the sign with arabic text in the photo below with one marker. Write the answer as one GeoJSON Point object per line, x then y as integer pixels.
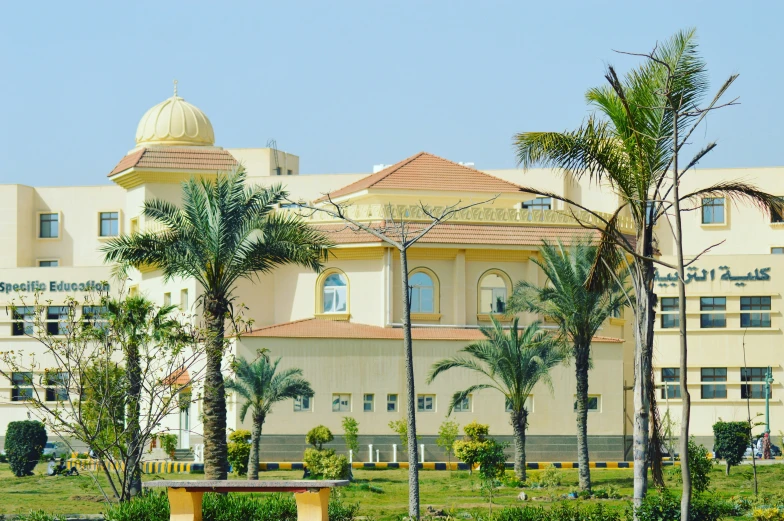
{"type": "Point", "coordinates": [694, 274]}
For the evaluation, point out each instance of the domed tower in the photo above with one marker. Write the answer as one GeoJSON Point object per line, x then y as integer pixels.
{"type": "Point", "coordinates": [174, 141]}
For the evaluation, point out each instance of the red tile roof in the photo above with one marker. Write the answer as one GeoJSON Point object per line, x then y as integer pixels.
{"type": "Point", "coordinates": [177, 158]}
{"type": "Point", "coordinates": [425, 171]}
{"type": "Point", "coordinates": [455, 233]}
{"type": "Point", "coordinates": [319, 328]}
{"type": "Point", "coordinates": [178, 377]}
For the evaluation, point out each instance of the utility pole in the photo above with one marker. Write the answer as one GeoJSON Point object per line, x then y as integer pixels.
{"type": "Point", "coordinates": [768, 382]}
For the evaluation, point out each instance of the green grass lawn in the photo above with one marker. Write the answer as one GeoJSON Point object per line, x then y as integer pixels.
{"type": "Point", "coordinates": [382, 494]}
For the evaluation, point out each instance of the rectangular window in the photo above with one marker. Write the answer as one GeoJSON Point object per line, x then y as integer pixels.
{"type": "Point", "coordinates": [341, 403]}
{"type": "Point", "coordinates": [758, 305]}
{"type": "Point", "coordinates": [538, 203]}
{"type": "Point", "coordinates": [650, 211]}
{"type": "Point", "coordinates": [776, 215]}
{"type": "Point", "coordinates": [49, 226]}
{"type": "Point", "coordinates": [24, 321]}
{"type": "Point", "coordinates": [278, 170]}
{"type": "Point", "coordinates": [184, 300]}
{"type": "Point", "coordinates": [670, 318]}
{"type": "Point", "coordinates": [711, 390]}
{"type": "Point", "coordinates": [289, 172]}
{"type": "Point", "coordinates": [529, 404]}
{"type": "Point", "coordinates": [367, 402]}
{"type": "Point", "coordinates": [167, 299]}
{"type": "Point", "coordinates": [391, 403]}
{"type": "Point", "coordinates": [22, 387]}
{"type": "Point", "coordinates": [57, 386]}
{"type": "Point", "coordinates": [671, 387]}
{"type": "Point", "coordinates": [713, 320]}
{"type": "Point", "coordinates": [777, 250]}
{"type": "Point", "coordinates": [754, 374]}
{"type": "Point", "coordinates": [48, 263]}
{"type": "Point", "coordinates": [713, 210]}
{"type": "Point", "coordinates": [593, 403]}
{"type": "Point", "coordinates": [426, 403]}
{"type": "Point", "coordinates": [463, 405]}
{"type": "Point", "coordinates": [135, 225]}
{"type": "Point", "coordinates": [96, 316]}
{"type": "Point", "coordinates": [302, 404]}
{"type": "Point", "coordinates": [110, 224]}
{"type": "Point", "coordinates": [57, 320]}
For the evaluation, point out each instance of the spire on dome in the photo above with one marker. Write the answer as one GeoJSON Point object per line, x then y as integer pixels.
{"type": "Point", "coordinates": [175, 88]}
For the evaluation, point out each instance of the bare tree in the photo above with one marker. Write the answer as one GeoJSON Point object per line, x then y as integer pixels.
{"type": "Point", "coordinates": [400, 231]}
{"type": "Point", "coordinates": [76, 384]}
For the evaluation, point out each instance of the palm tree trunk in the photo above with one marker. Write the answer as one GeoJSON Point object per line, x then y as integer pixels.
{"type": "Point", "coordinates": [133, 371]}
{"type": "Point", "coordinates": [255, 440]}
{"type": "Point", "coordinates": [215, 449]}
{"type": "Point", "coordinates": [519, 423]}
{"type": "Point", "coordinates": [581, 362]}
{"type": "Point", "coordinates": [413, 456]}
{"type": "Point", "coordinates": [642, 278]}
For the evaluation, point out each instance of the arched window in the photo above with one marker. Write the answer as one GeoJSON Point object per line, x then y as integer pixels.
{"type": "Point", "coordinates": [494, 287]}
{"type": "Point", "coordinates": [335, 293]}
{"type": "Point", "coordinates": [422, 293]}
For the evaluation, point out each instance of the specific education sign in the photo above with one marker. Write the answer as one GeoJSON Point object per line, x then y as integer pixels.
{"type": "Point", "coordinates": [54, 286]}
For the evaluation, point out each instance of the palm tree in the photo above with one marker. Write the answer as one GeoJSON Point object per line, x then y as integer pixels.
{"type": "Point", "coordinates": [512, 363]}
{"type": "Point", "coordinates": [224, 231]}
{"type": "Point", "coordinates": [261, 386]}
{"type": "Point", "coordinates": [134, 322]}
{"type": "Point", "coordinates": [629, 145]}
{"type": "Point", "coordinates": [578, 311]}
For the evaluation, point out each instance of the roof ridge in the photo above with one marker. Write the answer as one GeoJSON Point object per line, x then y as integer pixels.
{"type": "Point", "coordinates": [378, 176]}
{"type": "Point", "coordinates": [474, 169]}
{"type": "Point", "coordinates": [282, 324]}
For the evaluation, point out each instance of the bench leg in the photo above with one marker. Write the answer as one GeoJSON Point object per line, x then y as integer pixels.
{"type": "Point", "coordinates": [184, 505]}
{"type": "Point", "coordinates": [312, 506]}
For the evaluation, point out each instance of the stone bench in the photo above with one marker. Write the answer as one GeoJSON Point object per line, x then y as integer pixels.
{"type": "Point", "coordinates": [185, 497]}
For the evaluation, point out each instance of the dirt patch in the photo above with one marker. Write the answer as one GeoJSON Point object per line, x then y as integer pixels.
{"type": "Point", "coordinates": [96, 499]}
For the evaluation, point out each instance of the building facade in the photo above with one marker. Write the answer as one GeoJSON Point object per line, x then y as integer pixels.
{"type": "Point", "coordinates": [343, 326]}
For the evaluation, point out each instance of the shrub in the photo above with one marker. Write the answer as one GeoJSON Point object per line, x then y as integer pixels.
{"type": "Point", "coordinates": [447, 435]}
{"type": "Point", "coordinates": [239, 451]}
{"type": "Point", "coordinates": [550, 477]}
{"type": "Point", "coordinates": [149, 505]}
{"type": "Point", "coordinates": [665, 507]}
{"type": "Point", "coordinates": [469, 448]}
{"type": "Point", "coordinates": [400, 427]}
{"type": "Point", "coordinates": [24, 444]}
{"type": "Point", "coordinates": [492, 465]}
{"type": "Point", "coordinates": [561, 512]}
{"type": "Point", "coordinates": [39, 515]}
{"type": "Point", "coordinates": [476, 431]}
{"type": "Point", "coordinates": [767, 514]}
{"type": "Point", "coordinates": [699, 466]}
{"type": "Point", "coordinates": [325, 464]}
{"type": "Point", "coordinates": [318, 436]}
{"type": "Point", "coordinates": [732, 440]}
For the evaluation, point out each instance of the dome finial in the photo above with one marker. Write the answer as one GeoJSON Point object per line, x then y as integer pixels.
{"type": "Point", "coordinates": [175, 88]}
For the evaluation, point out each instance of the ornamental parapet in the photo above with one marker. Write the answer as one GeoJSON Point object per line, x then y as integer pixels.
{"type": "Point", "coordinates": [475, 215]}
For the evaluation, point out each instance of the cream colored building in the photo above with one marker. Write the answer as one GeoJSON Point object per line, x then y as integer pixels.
{"type": "Point", "coordinates": [342, 326]}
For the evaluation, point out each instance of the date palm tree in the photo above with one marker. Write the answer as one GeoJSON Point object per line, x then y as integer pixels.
{"type": "Point", "coordinates": [224, 231]}
{"type": "Point", "coordinates": [579, 313]}
{"type": "Point", "coordinates": [261, 386]}
{"type": "Point", "coordinates": [629, 145]}
{"type": "Point", "coordinates": [512, 362]}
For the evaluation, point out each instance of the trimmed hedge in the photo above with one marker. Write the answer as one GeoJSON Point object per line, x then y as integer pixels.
{"type": "Point", "coordinates": [24, 445]}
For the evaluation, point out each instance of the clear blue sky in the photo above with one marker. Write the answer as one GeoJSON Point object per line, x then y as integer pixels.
{"type": "Point", "coordinates": [345, 85]}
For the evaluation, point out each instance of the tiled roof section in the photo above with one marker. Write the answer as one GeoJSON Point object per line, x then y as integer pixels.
{"type": "Point", "coordinates": [425, 171]}
{"type": "Point", "coordinates": [177, 158]}
{"type": "Point", "coordinates": [456, 233]}
{"type": "Point", "coordinates": [319, 328]}
{"type": "Point", "coordinates": [178, 377]}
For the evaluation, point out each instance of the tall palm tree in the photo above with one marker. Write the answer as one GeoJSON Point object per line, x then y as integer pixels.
{"type": "Point", "coordinates": [224, 231]}
{"type": "Point", "coordinates": [511, 362]}
{"type": "Point", "coordinates": [261, 386]}
{"type": "Point", "coordinates": [134, 322]}
{"type": "Point", "coordinates": [629, 145]}
{"type": "Point", "coordinates": [579, 313]}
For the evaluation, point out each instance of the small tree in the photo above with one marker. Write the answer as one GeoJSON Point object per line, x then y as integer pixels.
{"type": "Point", "coordinates": [400, 427]}
{"type": "Point", "coordinates": [351, 434]}
{"type": "Point", "coordinates": [318, 436]}
{"type": "Point", "coordinates": [239, 447]}
{"type": "Point", "coordinates": [492, 465]}
{"type": "Point", "coordinates": [470, 448]}
{"type": "Point", "coordinates": [24, 444]}
{"type": "Point", "coordinates": [732, 440]}
{"type": "Point", "coordinates": [700, 467]}
{"type": "Point", "coordinates": [447, 435]}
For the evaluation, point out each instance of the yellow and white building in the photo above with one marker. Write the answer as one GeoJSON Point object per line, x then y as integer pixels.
{"type": "Point", "coordinates": [342, 326]}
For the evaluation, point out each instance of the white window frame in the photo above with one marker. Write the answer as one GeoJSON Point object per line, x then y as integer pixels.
{"type": "Point", "coordinates": [424, 398]}
{"type": "Point", "coordinates": [38, 226]}
{"type": "Point", "coordinates": [395, 401]}
{"type": "Point", "coordinates": [50, 259]}
{"type": "Point", "coordinates": [365, 402]}
{"type": "Point", "coordinates": [340, 400]}
{"type": "Point", "coordinates": [466, 405]}
{"type": "Point", "coordinates": [119, 224]}
{"type": "Point", "coordinates": [597, 397]}
{"type": "Point", "coordinates": [529, 404]}
{"type": "Point", "coordinates": [298, 404]}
